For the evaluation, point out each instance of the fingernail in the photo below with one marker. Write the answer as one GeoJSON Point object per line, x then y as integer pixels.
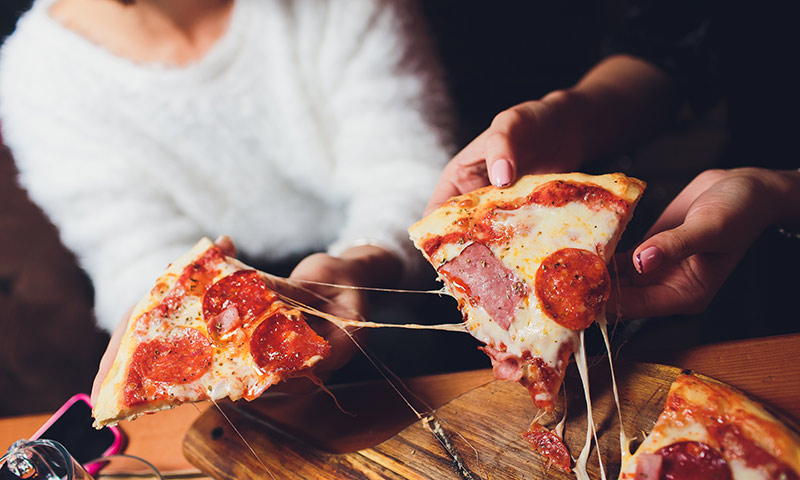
{"type": "Point", "coordinates": [501, 173]}
{"type": "Point", "coordinates": [648, 259]}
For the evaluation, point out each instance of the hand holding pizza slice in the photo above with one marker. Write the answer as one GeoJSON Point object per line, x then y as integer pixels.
{"type": "Point", "coordinates": [210, 328]}
{"type": "Point", "coordinates": [527, 265]}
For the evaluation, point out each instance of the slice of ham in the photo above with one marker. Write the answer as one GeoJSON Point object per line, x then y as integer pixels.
{"type": "Point", "coordinates": [505, 366]}
{"type": "Point", "coordinates": [486, 282]}
{"type": "Point", "coordinates": [648, 466]}
{"type": "Point", "coordinates": [226, 321]}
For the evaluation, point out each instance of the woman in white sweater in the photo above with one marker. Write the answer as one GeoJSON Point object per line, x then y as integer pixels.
{"type": "Point", "coordinates": [292, 126]}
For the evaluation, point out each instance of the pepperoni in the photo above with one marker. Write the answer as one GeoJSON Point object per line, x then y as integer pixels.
{"type": "Point", "coordinates": [550, 445]}
{"type": "Point", "coordinates": [285, 344]}
{"type": "Point", "coordinates": [737, 445]}
{"type": "Point", "coordinates": [486, 282]}
{"type": "Point", "coordinates": [181, 357]}
{"type": "Point", "coordinates": [481, 227]}
{"type": "Point", "coordinates": [244, 291]}
{"type": "Point", "coordinates": [573, 286]}
{"type": "Point", "coordinates": [559, 193]}
{"type": "Point", "coordinates": [692, 461]}
{"type": "Point", "coordinates": [505, 366]}
{"type": "Point", "coordinates": [544, 381]}
{"type": "Point", "coordinates": [194, 281]}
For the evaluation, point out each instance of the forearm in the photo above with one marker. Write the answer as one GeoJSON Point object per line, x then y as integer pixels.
{"type": "Point", "coordinates": [617, 105]}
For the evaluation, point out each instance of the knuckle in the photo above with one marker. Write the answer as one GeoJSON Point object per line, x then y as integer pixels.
{"type": "Point", "coordinates": [506, 120]}
{"type": "Point", "coordinates": [711, 176]}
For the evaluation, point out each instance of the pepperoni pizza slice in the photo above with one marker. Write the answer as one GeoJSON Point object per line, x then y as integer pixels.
{"type": "Point", "coordinates": [709, 430]}
{"type": "Point", "coordinates": [527, 265]}
{"type": "Point", "coordinates": [210, 328]}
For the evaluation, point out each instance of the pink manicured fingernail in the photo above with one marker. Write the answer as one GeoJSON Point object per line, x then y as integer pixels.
{"type": "Point", "coordinates": [501, 173]}
{"type": "Point", "coordinates": [648, 259]}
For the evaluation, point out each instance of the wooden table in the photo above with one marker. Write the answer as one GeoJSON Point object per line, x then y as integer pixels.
{"type": "Point", "coordinates": [767, 368]}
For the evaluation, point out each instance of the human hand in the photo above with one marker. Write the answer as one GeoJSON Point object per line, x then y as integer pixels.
{"type": "Point", "coordinates": [532, 137]}
{"type": "Point", "coordinates": [224, 242]}
{"type": "Point", "coordinates": [700, 237]}
{"type": "Point", "coordinates": [357, 266]}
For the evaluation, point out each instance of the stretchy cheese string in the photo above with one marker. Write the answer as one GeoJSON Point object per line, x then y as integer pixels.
{"type": "Point", "coordinates": [591, 431]}
{"type": "Point", "coordinates": [624, 441]}
{"type": "Point", "coordinates": [243, 439]}
{"type": "Point", "coordinates": [440, 291]}
{"type": "Point", "coordinates": [429, 421]}
{"type": "Point", "coordinates": [459, 465]}
{"type": "Point", "coordinates": [343, 322]}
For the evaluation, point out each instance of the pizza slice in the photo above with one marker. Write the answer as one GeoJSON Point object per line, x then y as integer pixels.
{"type": "Point", "coordinates": [527, 265]}
{"type": "Point", "coordinates": [210, 328]}
{"type": "Point", "coordinates": [709, 430]}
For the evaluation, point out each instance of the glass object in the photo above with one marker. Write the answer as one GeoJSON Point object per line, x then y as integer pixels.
{"type": "Point", "coordinates": [49, 460]}
{"type": "Point", "coordinates": [40, 460]}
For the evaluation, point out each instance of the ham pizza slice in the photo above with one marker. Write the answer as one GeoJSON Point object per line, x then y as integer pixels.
{"type": "Point", "coordinates": [210, 328]}
{"type": "Point", "coordinates": [527, 265]}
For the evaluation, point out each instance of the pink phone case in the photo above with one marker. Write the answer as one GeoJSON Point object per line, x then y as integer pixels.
{"type": "Point", "coordinates": [115, 447]}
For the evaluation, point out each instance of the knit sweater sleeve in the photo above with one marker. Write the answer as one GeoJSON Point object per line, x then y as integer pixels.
{"type": "Point", "coordinates": [380, 91]}
{"type": "Point", "coordinates": [80, 169]}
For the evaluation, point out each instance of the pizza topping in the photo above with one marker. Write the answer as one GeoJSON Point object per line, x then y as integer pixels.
{"type": "Point", "coordinates": [573, 286]}
{"type": "Point", "coordinates": [648, 466]}
{"type": "Point", "coordinates": [737, 446]}
{"type": "Point", "coordinates": [193, 281]}
{"type": "Point", "coordinates": [550, 445]}
{"type": "Point", "coordinates": [225, 322]}
{"type": "Point", "coordinates": [486, 282]}
{"type": "Point", "coordinates": [542, 380]}
{"type": "Point", "coordinates": [198, 275]}
{"type": "Point", "coordinates": [692, 461]}
{"type": "Point", "coordinates": [558, 193]}
{"type": "Point", "coordinates": [505, 366]}
{"type": "Point", "coordinates": [182, 357]}
{"type": "Point", "coordinates": [243, 291]}
{"type": "Point", "coordinates": [285, 343]}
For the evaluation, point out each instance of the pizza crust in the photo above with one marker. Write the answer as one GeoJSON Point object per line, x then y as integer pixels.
{"type": "Point", "coordinates": [108, 409]}
{"type": "Point", "coordinates": [210, 328]}
{"type": "Point", "coordinates": [442, 219]}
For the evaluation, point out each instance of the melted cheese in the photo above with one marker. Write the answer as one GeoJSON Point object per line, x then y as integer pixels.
{"type": "Point", "coordinates": [233, 372]}
{"type": "Point", "coordinates": [230, 370]}
{"type": "Point", "coordinates": [539, 231]}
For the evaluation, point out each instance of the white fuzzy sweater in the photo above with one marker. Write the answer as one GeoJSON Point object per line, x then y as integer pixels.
{"type": "Point", "coordinates": [308, 126]}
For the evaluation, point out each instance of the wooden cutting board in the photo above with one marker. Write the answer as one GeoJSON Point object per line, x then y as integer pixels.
{"type": "Point", "coordinates": [306, 436]}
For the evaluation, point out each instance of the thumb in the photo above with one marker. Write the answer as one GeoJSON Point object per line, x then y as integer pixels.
{"type": "Point", "coordinates": [672, 246]}
{"type": "Point", "coordinates": [500, 159]}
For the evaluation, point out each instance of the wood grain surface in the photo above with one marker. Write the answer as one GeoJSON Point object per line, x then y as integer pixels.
{"type": "Point", "coordinates": [485, 425]}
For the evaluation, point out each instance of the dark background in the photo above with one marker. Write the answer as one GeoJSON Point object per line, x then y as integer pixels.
{"type": "Point", "coordinates": [495, 54]}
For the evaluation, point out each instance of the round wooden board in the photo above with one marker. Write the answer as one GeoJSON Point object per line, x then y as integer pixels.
{"type": "Point", "coordinates": [485, 426]}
